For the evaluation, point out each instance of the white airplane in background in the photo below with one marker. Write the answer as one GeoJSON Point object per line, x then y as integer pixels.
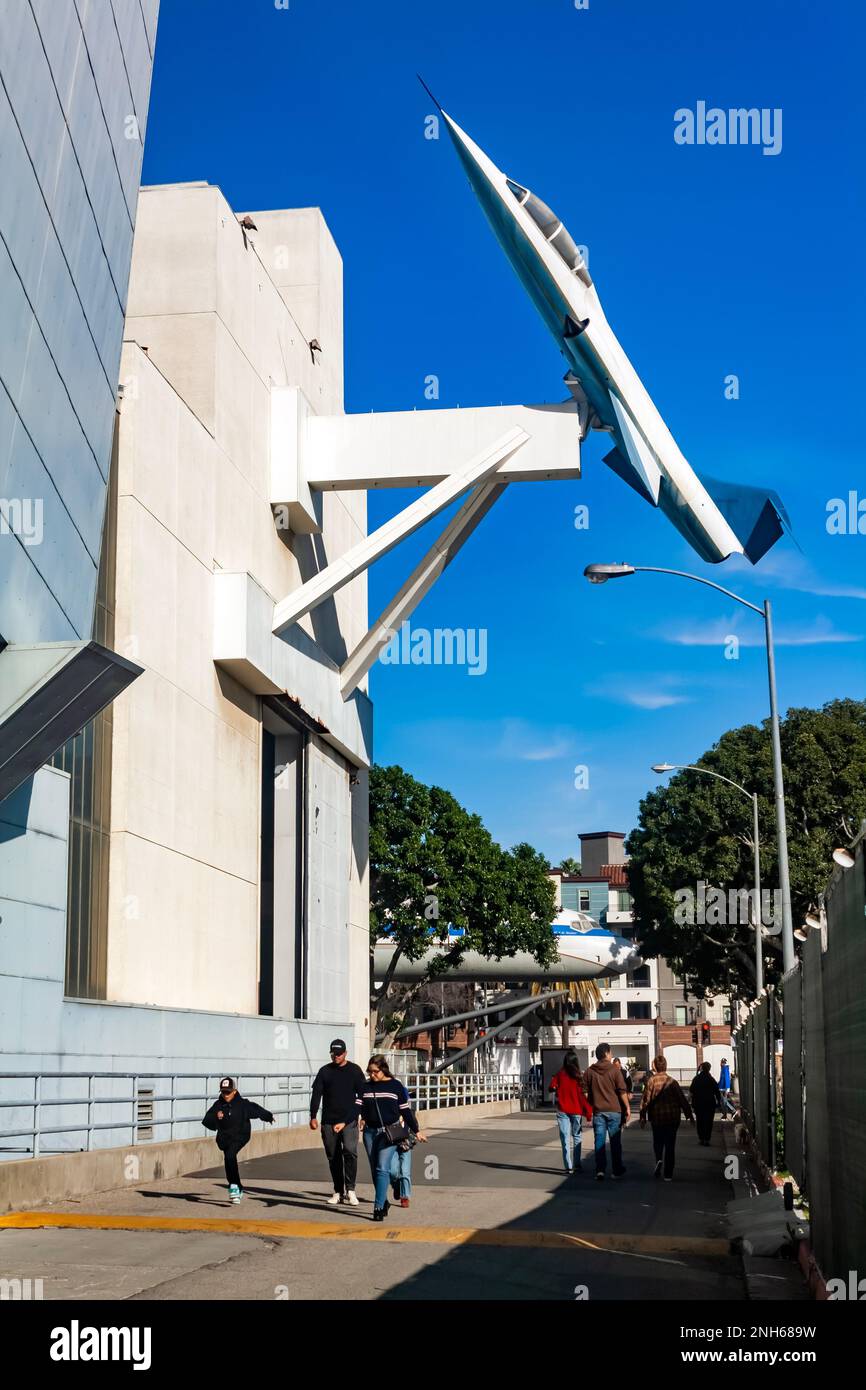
{"type": "Point", "coordinates": [717, 518]}
{"type": "Point", "coordinates": [586, 951]}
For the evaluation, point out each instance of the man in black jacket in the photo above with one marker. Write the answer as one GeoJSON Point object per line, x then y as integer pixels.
{"type": "Point", "coordinates": [336, 1088]}
{"type": "Point", "coordinates": [230, 1116]}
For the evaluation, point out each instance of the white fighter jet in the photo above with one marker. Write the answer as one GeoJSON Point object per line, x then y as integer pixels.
{"type": "Point", "coordinates": [585, 951]}
{"type": "Point", "coordinates": [717, 518]}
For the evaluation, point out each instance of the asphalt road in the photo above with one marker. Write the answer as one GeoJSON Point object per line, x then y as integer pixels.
{"type": "Point", "coordinates": [492, 1216]}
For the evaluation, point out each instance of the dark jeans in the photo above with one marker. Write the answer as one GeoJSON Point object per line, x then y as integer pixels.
{"type": "Point", "coordinates": [664, 1145]}
{"type": "Point", "coordinates": [342, 1151]}
{"type": "Point", "coordinates": [230, 1156]}
{"type": "Point", "coordinates": [607, 1124]}
{"type": "Point", "coordinates": [704, 1123]}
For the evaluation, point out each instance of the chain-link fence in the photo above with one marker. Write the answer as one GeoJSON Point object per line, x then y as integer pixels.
{"type": "Point", "coordinates": [824, 1026]}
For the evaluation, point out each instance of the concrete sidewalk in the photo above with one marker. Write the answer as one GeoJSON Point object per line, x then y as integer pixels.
{"type": "Point", "coordinates": [492, 1216]}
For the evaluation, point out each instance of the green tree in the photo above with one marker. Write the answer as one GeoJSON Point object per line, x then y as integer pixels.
{"type": "Point", "coordinates": [570, 865]}
{"type": "Point", "coordinates": [434, 866]}
{"type": "Point", "coordinates": [697, 828]}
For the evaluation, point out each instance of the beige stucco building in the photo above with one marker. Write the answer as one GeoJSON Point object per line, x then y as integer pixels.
{"type": "Point", "coordinates": [238, 864]}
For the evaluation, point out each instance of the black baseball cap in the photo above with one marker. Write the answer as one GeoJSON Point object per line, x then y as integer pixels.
{"type": "Point", "coordinates": [227, 1084]}
{"type": "Point", "coordinates": [338, 1045]}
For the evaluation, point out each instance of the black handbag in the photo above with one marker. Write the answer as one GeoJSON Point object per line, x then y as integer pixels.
{"type": "Point", "coordinates": [395, 1133]}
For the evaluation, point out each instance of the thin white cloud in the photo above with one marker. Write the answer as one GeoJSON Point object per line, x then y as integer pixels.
{"type": "Point", "coordinates": [820, 632]}
{"type": "Point", "coordinates": [520, 740]}
{"type": "Point", "coordinates": [791, 570]}
{"type": "Point", "coordinates": [648, 699]}
{"type": "Point", "coordinates": [639, 695]}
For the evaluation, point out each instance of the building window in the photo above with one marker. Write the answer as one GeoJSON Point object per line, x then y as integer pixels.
{"type": "Point", "coordinates": [608, 1009]}
{"type": "Point", "coordinates": [623, 900]}
{"type": "Point", "coordinates": [639, 1011]}
{"type": "Point", "coordinates": [282, 903]}
{"type": "Point", "coordinates": [87, 759]}
{"type": "Point", "coordinates": [726, 1011]}
{"type": "Point", "coordinates": [583, 900]}
{"type": "Point", "coordinates": [640, 978]}
{"type": "Point", "coordinates": [681, 1015]}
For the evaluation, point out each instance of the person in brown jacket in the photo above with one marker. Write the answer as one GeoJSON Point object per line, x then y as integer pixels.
{"type": "Point", "coordinates": [663, 1102]}
{"type": "Point", "coordinates": [606, 1092]}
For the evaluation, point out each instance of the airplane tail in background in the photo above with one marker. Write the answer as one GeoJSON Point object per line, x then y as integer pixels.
{"type": "Point", "coordinates": [756, 516]}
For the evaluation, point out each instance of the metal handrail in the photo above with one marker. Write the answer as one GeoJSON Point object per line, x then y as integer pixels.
{"type": "Point", "coordinates": [429, 1091]}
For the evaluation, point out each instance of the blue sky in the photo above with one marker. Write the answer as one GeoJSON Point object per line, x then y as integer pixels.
{"type": "Point", "coordinates": [709, 261]}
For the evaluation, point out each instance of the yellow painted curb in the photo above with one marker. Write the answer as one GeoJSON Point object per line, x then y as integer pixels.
{"type": "Point", "coordinates": [626, 1244]}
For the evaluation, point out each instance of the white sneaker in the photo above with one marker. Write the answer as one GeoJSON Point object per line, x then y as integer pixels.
{"type": "Point", "coordinates": [335, 1200]}
{"type": "Point", "coordinates": [352, 1199]}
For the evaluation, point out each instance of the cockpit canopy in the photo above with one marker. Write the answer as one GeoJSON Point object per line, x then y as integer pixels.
{"type": "Point", "coordinates": [552, 230]}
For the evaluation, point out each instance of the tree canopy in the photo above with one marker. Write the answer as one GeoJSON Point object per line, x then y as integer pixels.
{"type": "Point", "coordinates": [697, 828]}
{"type": "Point", "coordinates": [433, 865]}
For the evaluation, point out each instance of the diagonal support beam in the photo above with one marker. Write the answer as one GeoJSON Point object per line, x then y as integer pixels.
{"type": "Point", "coordinates": [342, 571]}
{"type": "Point", "coordinates": [420, 581]}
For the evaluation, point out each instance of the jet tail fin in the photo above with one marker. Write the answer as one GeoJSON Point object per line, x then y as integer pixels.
{"type": "Point", "coordinates": [626, 470]}
{"type": "Point", "coordinates": [756, 516]}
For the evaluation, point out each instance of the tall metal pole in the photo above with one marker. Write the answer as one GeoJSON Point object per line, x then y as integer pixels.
{"type": "Point", "coordinates": [759, 957]}
{"type": "Point", "coordinates": [600, 574]}
{"type": "Point", "coordinates": [788, 957]}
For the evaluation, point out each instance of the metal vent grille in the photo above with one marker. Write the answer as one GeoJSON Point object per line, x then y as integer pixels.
{"type": "Point", "coordinates": [144, 1113]}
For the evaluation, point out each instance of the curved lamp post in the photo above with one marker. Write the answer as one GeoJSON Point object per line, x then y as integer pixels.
{"type": "Point", "coordinates": [599, 574]}
{"type": "Point", "coordinates": [753, 797]}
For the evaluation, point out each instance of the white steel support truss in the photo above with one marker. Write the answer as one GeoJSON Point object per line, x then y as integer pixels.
{"type": "Point", "coordinates": [379, 542]}
{"type": "Point", "coordinates": [311, 454]}
{"type": "Point", "coordinates": [420, 581]}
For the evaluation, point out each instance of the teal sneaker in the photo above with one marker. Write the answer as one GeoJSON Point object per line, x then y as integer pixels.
{"type": "Point", "coordinates": [235, 1192]}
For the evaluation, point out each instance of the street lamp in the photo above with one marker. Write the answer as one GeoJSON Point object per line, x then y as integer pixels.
{"type": "Point", "coordinates": [600, 574]}
{"type": "Point", "coordinates": [753, 797]}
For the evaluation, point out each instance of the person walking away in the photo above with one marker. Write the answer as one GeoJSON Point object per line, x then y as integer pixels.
{"type": "Point", "coordinates": [705, 1098]}
{"type": "Point", "coordinates": [728, 1107]}
{"type": "Point", "coordinates": [231, 1117]}
{"type": "Point", "coordinates": [663, 1103]}
{"type": "Point", "coordinates": [606, 1093]}
{"type": "Point", "coordinates": [571, 1108]}
{"type": "Point", "coordinates": [387, 1118]}
{"type": "Point", "coordinates": [336, 1088]}
{"type": "Point", "coordinates": [618, 1062]}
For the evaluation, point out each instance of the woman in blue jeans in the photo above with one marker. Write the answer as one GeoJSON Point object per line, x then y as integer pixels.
{"type": "Point", "coordinates": [383, 1101]}
{"type": "Point", "coordinates": [572, 1107]}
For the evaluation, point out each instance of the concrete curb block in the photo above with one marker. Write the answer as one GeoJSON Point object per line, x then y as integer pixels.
{"type": "Point", "coordinates": [36, 1182]}
{"type": "Point", "coordinates": [815, 1281]}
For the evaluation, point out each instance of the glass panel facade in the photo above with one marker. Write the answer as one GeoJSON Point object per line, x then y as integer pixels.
{"type": "Point", "coordinates": [87, 759]}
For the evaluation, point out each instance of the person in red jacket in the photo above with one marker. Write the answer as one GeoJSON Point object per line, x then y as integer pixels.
{"type": "Point", "coordinates": [571, 1108]}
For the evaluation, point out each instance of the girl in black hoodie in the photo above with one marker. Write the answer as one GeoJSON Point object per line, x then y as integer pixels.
{"type": "Point", "coordinates": [230, 1116]}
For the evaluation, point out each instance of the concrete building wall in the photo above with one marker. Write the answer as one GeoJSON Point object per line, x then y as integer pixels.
{"type": "Point", "coordinates": [601, 847]}
{"type": "Point", "coordinates": [211, 328]}
{"type": "Point", "coordinates": [34, 831]}
{"type": "Point", "coordinates": [73, 111]}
